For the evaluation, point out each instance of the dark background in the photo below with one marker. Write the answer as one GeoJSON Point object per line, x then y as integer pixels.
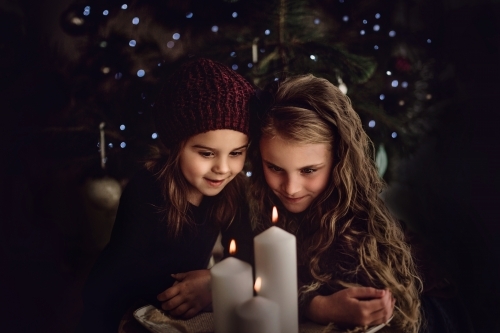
{"type": "Point", "coordinates": [53, 227]}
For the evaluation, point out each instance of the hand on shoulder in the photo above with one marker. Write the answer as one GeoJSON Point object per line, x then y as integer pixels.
{"type": "Point", "coordinates": [353, 306]}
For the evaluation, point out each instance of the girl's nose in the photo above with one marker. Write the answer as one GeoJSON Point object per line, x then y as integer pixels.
{"type": "Point", "coordinates": [221, 166]}
{"type": "Point", "coordinates": [291, 186]}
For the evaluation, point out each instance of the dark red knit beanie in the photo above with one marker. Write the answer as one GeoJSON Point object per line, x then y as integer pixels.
{"type": "Point", "coordinates": [202, 95]}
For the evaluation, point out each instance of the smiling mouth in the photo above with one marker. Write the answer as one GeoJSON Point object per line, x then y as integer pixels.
{"type": "Point", "coordinates": [213, 182]}
{"type": "Point", "coordinates": [292, 200]}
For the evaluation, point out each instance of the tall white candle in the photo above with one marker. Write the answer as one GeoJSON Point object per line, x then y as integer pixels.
{"type": "Point", "coordinates": [231, 285]}
{"type": "Point", "coordinates": [276, 264]}
{"type": "Point", "coordinates": [258, 314]}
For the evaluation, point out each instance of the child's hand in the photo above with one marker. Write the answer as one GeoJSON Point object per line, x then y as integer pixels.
{"type": "Point", "coordinates": [189, 295]}
{"type": "Point", "coordinates": [354, 306]}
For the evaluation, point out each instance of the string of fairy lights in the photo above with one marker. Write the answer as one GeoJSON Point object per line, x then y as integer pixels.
{"type": "Point", "coordinates": [366, 26]}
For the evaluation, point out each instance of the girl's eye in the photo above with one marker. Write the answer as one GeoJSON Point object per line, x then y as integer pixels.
{"type": "Point", "coordinates": [206, 153]}
{"type": "Point", "coordinates": [235, 153]}
{"type": "Point", "coordinates": [274, 168]}
{"type": "Point", "coordinates": [308, 171]}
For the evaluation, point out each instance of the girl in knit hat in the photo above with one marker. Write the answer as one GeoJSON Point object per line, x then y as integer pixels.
{"type": "Point", "coordinates": [171, 213]}
{"type": "Point", "coordinates": [314, 162]}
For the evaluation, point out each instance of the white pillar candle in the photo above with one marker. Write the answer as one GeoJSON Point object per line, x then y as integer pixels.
{"type": "Point", "coordinates": [258, 315]}
{"type": "Point", "coordinates": [231, 285]}
{"type": "Point", "coordinates": [276, 264]}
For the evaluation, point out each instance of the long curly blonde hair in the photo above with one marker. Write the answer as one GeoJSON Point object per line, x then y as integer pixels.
{"type": "Point", "coordinates": [347, 236]}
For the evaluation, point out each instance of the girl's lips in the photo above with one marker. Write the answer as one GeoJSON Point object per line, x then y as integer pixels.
{"type": "Point", "coordinates": [214, 183]}
{"type": "Point", "coordinates": [292, 200]}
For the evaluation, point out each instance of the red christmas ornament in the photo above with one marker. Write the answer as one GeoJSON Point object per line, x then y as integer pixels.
{"type": "Point", "coordinates": [402, 64]}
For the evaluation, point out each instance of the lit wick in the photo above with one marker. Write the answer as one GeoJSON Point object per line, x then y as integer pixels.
{"type": "Point", "coordinates": [257, 285]}
{"type": "Point", "coordinates": [232, 247]}
{"type": "Point", "coordinates": [274, 217]}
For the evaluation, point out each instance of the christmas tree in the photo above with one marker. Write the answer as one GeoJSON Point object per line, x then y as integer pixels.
{"type": "Point", "coordinates": [361, 47]}
{"type": "Point", "coordinates": [87, 122]}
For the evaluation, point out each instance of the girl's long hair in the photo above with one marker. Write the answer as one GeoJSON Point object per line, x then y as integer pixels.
{"type": "Point", "coordinates": [164, 163]}
{"type": "Point", "coordinates": [347, 235]}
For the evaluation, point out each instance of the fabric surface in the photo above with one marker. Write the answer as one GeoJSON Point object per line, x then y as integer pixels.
{"type": "Point", "coordinates": [140, 257]}
{"type": "Point", "coordinates": [202, 323]}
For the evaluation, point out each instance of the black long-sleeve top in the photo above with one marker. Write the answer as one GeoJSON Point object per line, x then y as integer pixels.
{"type": "Point", "coordinates": [140, 257]}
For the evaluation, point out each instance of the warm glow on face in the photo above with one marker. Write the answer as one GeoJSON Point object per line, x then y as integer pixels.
{"type": "Point", "coordinates": [232, 247]}
{"type": "Point", "coordinates": [258, 284]}
{"type": "Point", "coordinates": [275, 215]}
{"type": "Point", "coordinates": [210, 160]}
{"type": "Point", "coordinates": [297, 173]}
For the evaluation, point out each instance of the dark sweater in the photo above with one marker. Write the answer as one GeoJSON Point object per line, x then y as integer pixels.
{"type": "Point", "coordinates": [140, 257]}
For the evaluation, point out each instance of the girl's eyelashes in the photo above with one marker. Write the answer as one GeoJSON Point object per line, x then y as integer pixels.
{"type": "Point", "coordinates": [206, 154]}
{"type": "Point", "coordinates": [236, 153]}
{"type": "Point", "coordinates": [274, 168]}
{"type": "Point", "coordinates": [209, 154]}
{"type": "Point", "coordinates": [308, 171]}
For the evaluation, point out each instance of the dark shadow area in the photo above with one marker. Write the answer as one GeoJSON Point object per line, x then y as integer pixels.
{"type": "Point", "coordinates": [449, 191]}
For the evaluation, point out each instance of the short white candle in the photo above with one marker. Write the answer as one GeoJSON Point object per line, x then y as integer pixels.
{"type": "Point", "coordinates": [258, 315]}
{"type": "Point", "coordinates": [276, 264]}
{"type": "Point", "coordinates": [231, 285]}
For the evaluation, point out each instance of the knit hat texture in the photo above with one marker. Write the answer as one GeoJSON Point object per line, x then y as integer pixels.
{"type": "Point", "coordinates": [201, 96]}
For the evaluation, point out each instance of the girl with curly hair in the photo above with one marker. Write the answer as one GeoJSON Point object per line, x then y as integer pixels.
{"type": "Point", "coordinates": [315, 163]}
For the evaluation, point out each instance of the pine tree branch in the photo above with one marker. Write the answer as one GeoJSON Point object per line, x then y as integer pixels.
{"type": "Point", "coordinates": [282, 18]}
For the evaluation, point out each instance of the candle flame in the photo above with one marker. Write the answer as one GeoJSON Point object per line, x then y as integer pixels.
{"type": "Point", "coordinates": [275, 215]}
{"type": "Point", "coordinates": [258, 284]}
{"type": "Point", "coordinates": [232, 247]}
